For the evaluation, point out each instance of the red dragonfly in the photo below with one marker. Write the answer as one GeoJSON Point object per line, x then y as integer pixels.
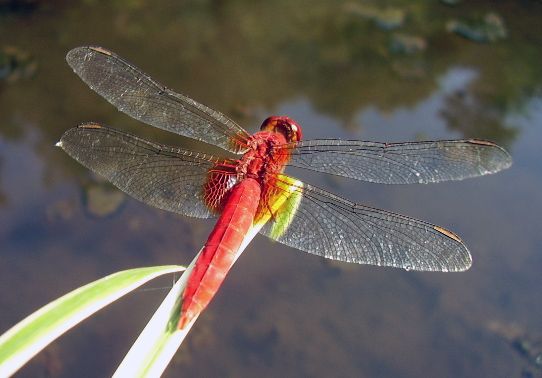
{"type": "Point", "coordinates": [253, 188]}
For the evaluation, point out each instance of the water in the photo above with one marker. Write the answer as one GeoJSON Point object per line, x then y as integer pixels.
{"type": "Point", "coordinates": [339, 74]}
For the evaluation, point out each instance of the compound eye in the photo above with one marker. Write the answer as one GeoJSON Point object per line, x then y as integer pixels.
{"type": "Point", "coordinates": [295, 132]}
{"type": "Point", "coordinates": [269, 124]}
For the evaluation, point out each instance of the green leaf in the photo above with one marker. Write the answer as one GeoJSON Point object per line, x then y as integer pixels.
{"type": "Point", "coordinates": [160, 339]}
{"type": "Point", "coordinates": [157, 344]}
{"type": "Point", "coordinates": [24, 340]}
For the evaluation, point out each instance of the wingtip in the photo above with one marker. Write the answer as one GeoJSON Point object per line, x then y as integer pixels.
{"type": "Point", "coordinates": [501, 158]}
{"type": "Point", "coordinates": [508, 161]}
{"type": "Point", "coordinates": [505, 161]}
{"type": "Point", "coordinates": [460, 261]}
{"type": "Point", "coordinates": [467, 265]}
{"type": "Point", "coordinates": [71, 56]}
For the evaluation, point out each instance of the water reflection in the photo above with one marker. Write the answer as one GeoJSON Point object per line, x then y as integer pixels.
{"type": "Point", "coordinates": [332, 68]}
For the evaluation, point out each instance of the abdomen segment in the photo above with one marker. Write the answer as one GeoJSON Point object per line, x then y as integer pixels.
{"type": "Point", "coordinates": [218, 254]}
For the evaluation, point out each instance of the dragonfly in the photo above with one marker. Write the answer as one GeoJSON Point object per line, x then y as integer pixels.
{"type": "Point", "coordinates": [252, 187]}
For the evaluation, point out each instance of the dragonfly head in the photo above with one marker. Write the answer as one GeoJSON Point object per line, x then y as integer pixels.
{"type": "Point", "coordinates": [284, 125]}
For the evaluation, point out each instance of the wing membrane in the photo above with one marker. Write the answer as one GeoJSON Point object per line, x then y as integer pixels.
{"type": "Point", "coordinates": [399, 163]}
{"type": "Point", "coordinates": [330, 226]}
{"type": "Point", "coordinates": [165, 177]}
{"type": "Point", "coordinates": [138, 95]}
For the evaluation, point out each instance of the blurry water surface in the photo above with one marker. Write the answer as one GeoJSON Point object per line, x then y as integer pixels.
{"type": "Point", "coordinates": [343, 69]}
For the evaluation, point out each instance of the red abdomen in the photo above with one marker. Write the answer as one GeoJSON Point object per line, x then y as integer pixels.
{"type": "Point", "coordinates": [219, 252]}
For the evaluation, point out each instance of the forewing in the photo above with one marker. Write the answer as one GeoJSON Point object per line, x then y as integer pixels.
{"type": "Point", "coordinates": [168, 178]}
{"type": "Point", "coordinates": [326, 225]}
{"type": "Point", "coordinates": [138, 95]}
{"type": "Point", "coordinates": [399, 163]}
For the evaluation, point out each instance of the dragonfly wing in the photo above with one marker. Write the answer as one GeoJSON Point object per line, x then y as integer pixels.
{"type": "Point", "coordinates": [138, 95]}
{"type": "Point", "coordinates": [399, 163]}
{"type": "Point", "coordinates": [326, 225]}
{"type": "Point", "coordinates": [165, 177]}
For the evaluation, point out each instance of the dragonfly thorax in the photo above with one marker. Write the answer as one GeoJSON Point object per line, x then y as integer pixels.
{"type": "Point", "coordinates": [261, 160]}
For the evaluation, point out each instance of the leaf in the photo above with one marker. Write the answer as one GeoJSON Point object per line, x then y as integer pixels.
{"type": "Point", "coordinates": [24, 340]}
{"type": "Point", "coordinates": [160, 339]}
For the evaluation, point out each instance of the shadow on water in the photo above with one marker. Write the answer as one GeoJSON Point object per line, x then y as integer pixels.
{"type": "Point", "coordinates": [404, 70]}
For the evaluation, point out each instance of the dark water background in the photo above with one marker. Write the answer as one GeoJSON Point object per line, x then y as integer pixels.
{"type": "Point", "coordinates": [386, 71]}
